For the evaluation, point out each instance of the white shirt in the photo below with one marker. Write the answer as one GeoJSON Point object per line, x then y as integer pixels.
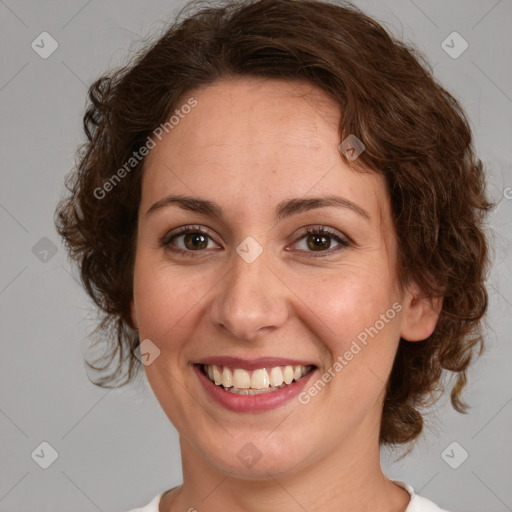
{"type": "Point", "coordinates": [417, 503]}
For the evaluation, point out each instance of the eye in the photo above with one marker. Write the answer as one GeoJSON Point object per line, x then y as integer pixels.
{"type": "Point", "coordinates": [192, 240]}
{"type": "Point", "coordinates": [319, 239]}
{"type": "Point", "coordinates": [187, 239]}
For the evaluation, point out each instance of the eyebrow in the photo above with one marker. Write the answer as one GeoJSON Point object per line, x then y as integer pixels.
{"type": "Point", "coordinates": [284, 209]}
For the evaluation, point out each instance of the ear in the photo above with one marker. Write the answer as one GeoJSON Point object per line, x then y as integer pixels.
{"type": "Point", "coordinates": [133, 316]}
{"type": "Point", "coordinates": [420, 315]}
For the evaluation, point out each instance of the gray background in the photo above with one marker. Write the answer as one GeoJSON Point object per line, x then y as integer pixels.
{"type": "Point", "coordinates": [116, 449]}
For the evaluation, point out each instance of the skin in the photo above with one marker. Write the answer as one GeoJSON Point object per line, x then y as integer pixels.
{"type": "Point", "coordinates": [248, 145]}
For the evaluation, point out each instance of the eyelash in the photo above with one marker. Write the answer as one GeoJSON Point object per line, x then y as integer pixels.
{"type": "Point", "coordinates": [166, 240]}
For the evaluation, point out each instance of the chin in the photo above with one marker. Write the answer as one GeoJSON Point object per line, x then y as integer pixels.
{"type": "Point", "coordinates": [259, 458]}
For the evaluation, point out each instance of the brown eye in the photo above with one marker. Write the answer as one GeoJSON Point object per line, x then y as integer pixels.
{"type": "Point", "coordinates": [188, 240]}
{"type": "Point", "coordinates": [320, 240]}
{"type": "Point", "coordinates": [195, 241]}
{"type": "Point", "coordinates": [316, 242]}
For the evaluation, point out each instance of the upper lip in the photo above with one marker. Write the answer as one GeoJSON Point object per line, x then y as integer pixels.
{"type": "Point", "coordinates": [252, 364]}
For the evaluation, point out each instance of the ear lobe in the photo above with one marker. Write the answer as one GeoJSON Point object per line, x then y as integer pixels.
{"type": "Point", "coordinates": [420, 315]}
{"type": "Point", "coordinates": [134, 324]}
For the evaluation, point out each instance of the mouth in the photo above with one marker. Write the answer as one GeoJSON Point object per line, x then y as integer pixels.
{"type": "Point", "coordinates": [253, 386]}
{"type": "Point", "coordinates": [258, 381]}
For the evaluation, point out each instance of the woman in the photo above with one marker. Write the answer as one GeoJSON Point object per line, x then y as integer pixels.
{"type": "Point", "coordinates": [279, 212]}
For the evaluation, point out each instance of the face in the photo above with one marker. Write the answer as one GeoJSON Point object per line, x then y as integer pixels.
{"type": "Point", "coordinates": [266, 278]}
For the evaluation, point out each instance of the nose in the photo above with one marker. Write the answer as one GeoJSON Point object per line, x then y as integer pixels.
{"type": "Point", "coordinates": [251, 300]}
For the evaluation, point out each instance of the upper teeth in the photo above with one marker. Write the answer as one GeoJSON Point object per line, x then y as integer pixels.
{"type": "Point", "coordinates": [261, 378]}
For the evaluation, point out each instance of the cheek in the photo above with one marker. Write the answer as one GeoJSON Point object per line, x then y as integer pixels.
{"type": "Point", "coordinates": [164, 300]}
{"type": "Point", "coordinates": [356, 318]}
{"type": "Point", "coordinates": [164, 294]}
{"type": "Point", "coordinates": [347, 301]}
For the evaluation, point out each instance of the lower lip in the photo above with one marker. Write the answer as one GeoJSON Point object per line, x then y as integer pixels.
{"type": "Point", "coordinates": [252, 403]}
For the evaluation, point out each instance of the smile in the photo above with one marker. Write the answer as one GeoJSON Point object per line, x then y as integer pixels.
{"type": "Point", "coordinates": [254, 382]}
{"type": "Point", "coordinates": [252, 385]}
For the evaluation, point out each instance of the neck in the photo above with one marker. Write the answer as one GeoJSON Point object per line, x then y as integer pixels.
{"type": "Point", "coordinates": [349, 479]}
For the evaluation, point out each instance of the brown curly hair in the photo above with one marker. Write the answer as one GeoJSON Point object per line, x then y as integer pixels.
{"type": "Point", "coordinates": [415, 132]}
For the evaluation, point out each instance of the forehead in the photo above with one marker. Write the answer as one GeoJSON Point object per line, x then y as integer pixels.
{"type": "Point", "coordinates": [250, 111]}
{"type": "Point", "coordinates": [264, 139]}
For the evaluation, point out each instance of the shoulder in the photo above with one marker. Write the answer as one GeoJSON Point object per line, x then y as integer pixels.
{"type": "Point", "coordinates": [418, 503]}
{"type": "Point", "coordinates": [152, 506]}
